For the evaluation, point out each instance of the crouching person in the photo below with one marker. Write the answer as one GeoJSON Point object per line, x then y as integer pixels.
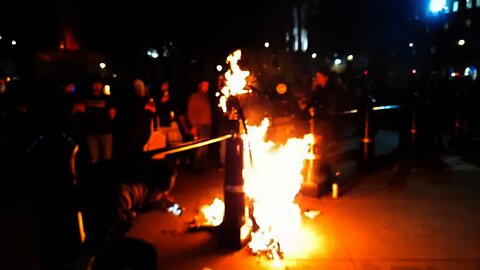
{"type": "Point", "coordinates": [112, 195]}
{"type": "Point", "coordinates": [149, 188]}
{"type": "Point", "coordinates": [106, 245]}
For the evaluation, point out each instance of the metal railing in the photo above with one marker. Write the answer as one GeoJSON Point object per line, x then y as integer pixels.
{"type": "Point", "coordinates": [187, 146]}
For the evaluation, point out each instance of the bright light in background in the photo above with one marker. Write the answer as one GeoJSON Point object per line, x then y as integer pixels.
{"type": "Point", "coordinates": [314, 55]}
{"type": "Point", "coordinates": [437, 5]}
{"type": "Point", "coordinates": [281, 88]}
{"type": "Point", "coordinates": [14, 43]}
{"type": "Point", "coordinates": [410, 44]}
{"type": "Point", "coordinates": [471, 71]}
{"type": "Point", "coordinates": [461, 42]}
{"type": "Point", "coordinates": [0, 37]}
{"type": "Point", "coordinates": [414, 71]}
{"type": "Point", "coordinates": [102, 65]}
{"type": "Point", "coordinates": [114, 75]}
{"type": "Point", "coordinates": [266, 44]}
{"type": "Point", "coordinates": [152, 53]}
{"type": "Point", "coordinates": [219, 68]}
{"type": "Point", "coordinates": [455, 6]}
{"type": "Point", "coordinates": [469, 4]}
{"type": "Point", "coordinates": [106, 90]}
{"type": "Point", "coordinates": [350, 57]}
{"type": "Point", "coordinates": [337, 61]}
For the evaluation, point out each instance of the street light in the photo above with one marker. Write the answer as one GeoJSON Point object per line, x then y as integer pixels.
{"type": "Point", "coordinates": [437, 5]}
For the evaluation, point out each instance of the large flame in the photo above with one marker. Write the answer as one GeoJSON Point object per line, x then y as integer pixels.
{"type": "Point", "coordinates": [273, 175]}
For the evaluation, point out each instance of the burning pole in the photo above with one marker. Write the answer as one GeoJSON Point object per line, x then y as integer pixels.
{"type": "Point", "coordinates": [234, 230]}
{"type": "Point", "coordinates": [235, 233]}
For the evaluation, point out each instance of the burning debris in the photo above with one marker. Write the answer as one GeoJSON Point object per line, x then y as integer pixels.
{"type": "Point", "coordinates": [266, 246]}
{"type": "Point", "coordinates": [214, 212]}
{"type": "Point", "coordinates": [311, 214]}
{"type": "Point", "coordinates": [209, 216]}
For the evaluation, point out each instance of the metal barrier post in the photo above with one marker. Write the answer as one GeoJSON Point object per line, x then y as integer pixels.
{"type": "Point", "coordinates": [234, 231]}
{"type": "Point", "coordinates": [311, 186]}
{"type": "Point", "coordinates": [367, 142]}
{"type": "Point", "coordinates": [413, 128]}
{"type": "Point", "coordinates": [457, 128]}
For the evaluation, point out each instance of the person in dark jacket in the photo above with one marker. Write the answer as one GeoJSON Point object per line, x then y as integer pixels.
{"type": "Point", "coordinates": [326, 102]}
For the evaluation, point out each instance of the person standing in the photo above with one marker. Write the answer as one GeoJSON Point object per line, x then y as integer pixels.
{"type": "Point", "coordinates": [199, 114]}
{"type": "Point", "coordinates": [326, 101]}
{"type": "Point", "coordinates": [135, 121]}
{"type": "Point", "coordinates": [99, 113]}
{"type": "Point", "coordinates": [166, 113]}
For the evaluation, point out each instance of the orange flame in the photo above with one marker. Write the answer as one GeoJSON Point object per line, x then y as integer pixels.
{"type": "Point", "coordinates": [213, 213]}
{"type": "Point", "coordinates": [273, 177]}
{"type": "Point", "coordinates": [235, 80]}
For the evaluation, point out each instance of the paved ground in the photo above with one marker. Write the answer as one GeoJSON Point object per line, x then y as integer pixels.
{"type": "Point", "coordinates": [412, 213]}
{"type": "Point", "coordinates": [408, 215]}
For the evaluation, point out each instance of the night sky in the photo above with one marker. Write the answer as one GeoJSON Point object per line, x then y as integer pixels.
{"type": "Point", "coordinates": [212, 24]}
{"type": "Point", "coordinates": [109, 26]}
{"type": "Point", "coordinates": [210, 29]}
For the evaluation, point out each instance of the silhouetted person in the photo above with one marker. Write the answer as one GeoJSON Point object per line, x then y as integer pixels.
{"type": "Point", "coordinates": [326, 101]}
{"type": "Point", "coordinates": [99, 113]}
{"type": "Point", "coordinates": [136, 118]}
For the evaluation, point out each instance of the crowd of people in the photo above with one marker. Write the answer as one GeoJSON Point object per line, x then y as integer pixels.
{"type": "Point", "coordinates": [104, 128]}
{"type": "Point", "coordinates": [112, 122]}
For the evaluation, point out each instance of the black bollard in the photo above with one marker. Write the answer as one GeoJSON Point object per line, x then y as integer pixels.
{"type": "Point", "coordinates": [367, 141]}
{"type": "Point", "coordinates": [234, 231]}
{"type": "Point", "coordinates": [416, 132]}
{"type": "Point", "coordinates": [314, 181]}
{"type": "Point", "coordinates": [456, 133]}
{"type": "Point", "coordinates": [413, 129]}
